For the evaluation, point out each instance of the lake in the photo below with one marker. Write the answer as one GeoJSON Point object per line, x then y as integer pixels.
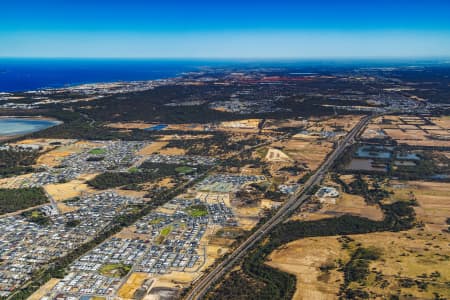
{"type": "Point", "coordinates": [16, 126]}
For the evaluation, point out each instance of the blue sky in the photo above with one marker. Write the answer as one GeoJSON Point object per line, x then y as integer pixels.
{"type": "Point", "coordinates": [225, 29]}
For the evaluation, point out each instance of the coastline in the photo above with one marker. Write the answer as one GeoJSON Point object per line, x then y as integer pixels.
{"type": "Point", "coordinates": [67, 73]}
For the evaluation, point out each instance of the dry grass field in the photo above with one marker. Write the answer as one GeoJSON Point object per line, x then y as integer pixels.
{"type": "Point", "coordinates": [404, 255]}
{"type": "Point", "coordinates": [152, 148]}
{"type": "Point", "coordinates": [303, 258]}
{"type": "Point", "coordinates": [345, 204]}
{"type": "Point", "coordinates": [310, 152]}
{"type": "Point", "coordinates": [344, 122]}
{"type": "Point", "coordinates": [131, 125]}
{"type": "Point", "coordinates": [71, 189]}
{"type": "Point", "coordinates": [443, 122]}
{"type": "Point", "coordinates": [14, 182]}
{"type": "Point", "coordinates": [413, 131]}
{"type": "Point", "coordinates": [413, 264]}
{"type": "Point", "coordinates": [53, 158]}
{"type": "Point", "coordinates": [433, 199]}
{"type": "Point", "coordinates": [172, 151]}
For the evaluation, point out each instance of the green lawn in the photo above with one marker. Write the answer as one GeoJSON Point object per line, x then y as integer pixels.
{"type": "Point", "coordinates": [97, 151]}
{"type": "Point", "coordinates": [184, 170]}
{"type": "Point", "coordinates": [133, 170]}
{"type": "Point", "coordinates": [166, 231]}
{"type": "Point", "coordinates": [114, 270]}
{"type": "Point", "coordinates": [197, 211]}
{"type": "Point", "coordinates": [155, 221]}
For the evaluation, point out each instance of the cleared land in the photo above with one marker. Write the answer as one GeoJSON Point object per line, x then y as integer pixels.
{"type": "Point", "coordinates": [70, 189]}
{"type": "Point", "coordinates": [413, 131]}
{"type": "Point", "coordinates": [43, 290]}
{"type": "Point", "coordinates": [303, 258]}
{"type": "Point", "coordinates": [405, 256]}
{"type": "Point", "coordinates": [433, 201]}
{"type": "Point", "coordinates": [310, 152]}
{"type": "Point", "coordinates": [152, 148]}
{"type": "Point", "coordinates": [54, 157]}
{"type": "Point", "coordinates": [345, 204]}
{"type": "Point", "coordinates": [133, 282]}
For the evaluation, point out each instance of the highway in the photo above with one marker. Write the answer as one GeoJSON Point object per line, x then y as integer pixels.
{"type": "Point", "coordinates": [200, 287]}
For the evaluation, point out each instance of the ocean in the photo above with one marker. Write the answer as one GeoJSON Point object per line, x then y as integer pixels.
{"type": "Point", "coordinates": [25, 74]}
{"type": "Point", "coordinates": [18, 75]}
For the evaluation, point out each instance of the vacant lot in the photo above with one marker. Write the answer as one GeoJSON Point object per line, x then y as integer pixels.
{"type": "Point", "coordinates": [433, 201]}
{"type": "Point", "coordinates": [134, 282]}
{"type": "Point", "coordinates": [303, 258]}
{"type": "Point", "coordinates": [416, 256]}
{"type": "Point", "coordinates": [54, 157]}
{"type": "Point", "coordinates": [43, 290]}
{"type": "Point", "coordinates": [413, 131]}
{"type": "Point", "coordinates": [152, 148]}
{"type": "Point", "coordinates": [69, 189]}
{"type": "Point", "coordinates": [310, 152]}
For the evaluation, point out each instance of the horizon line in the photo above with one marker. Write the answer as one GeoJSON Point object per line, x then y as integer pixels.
{"type": "Point", "coordinates": [234, 58]}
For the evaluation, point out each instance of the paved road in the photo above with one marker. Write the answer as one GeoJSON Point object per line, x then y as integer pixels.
{"type": "Point", "coordinates": [300, 196]}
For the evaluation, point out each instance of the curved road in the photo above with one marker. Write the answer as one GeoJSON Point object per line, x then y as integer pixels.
{"type": "Point", "coordinates": [200, 287]}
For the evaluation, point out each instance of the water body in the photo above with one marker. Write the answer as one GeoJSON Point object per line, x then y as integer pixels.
{"type": "Point", "coordinates": [17, 126]}
{"type": "Point", "coordinates": [18, 75]}
{"type": "Point", "coordinates": [378, 152]}
{"type": "Point", "coordinates": [25, 74]}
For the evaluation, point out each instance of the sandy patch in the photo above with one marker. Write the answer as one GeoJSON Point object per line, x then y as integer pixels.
{"type": "Point", "coordinates": [43, 290]}
{"type": "Point", "coordinates": [133, 282]}
{"type": "Point", "coordinates": [152, 148]}
{"type": "Point", "coordinates": [172, 151]}
{"type": "Point", "coordinates": [71, 189]}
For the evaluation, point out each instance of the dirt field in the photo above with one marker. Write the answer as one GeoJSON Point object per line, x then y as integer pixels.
{"type": "Point", "coordinates": [172, 151]}
{"type": "Point", "coordinates": [344, 122]}
{"type": "Point", "coordinates": [414, 131]}
{"type": "Point", "coordinates": [71, 189]}
{"type": "Point", "coordinates": [303, 258]}
{"type": "Point", "coordinates": [443, 122]}
{"type": "Point", "coordinates": [14, 182]}
{"type": "Point", "coordinates": [131, 125]}
{"type": "Point", "coordinates": [54, 157]}
{"type": "Point", "coordinates": [130, 193]}
{"type": "Point", "coordinates": [46, 144]}
{"type": "Point", "coordinates": [152, 148]}
{"type": "Point", "coordinates": [133, 282]}
{"type": "Point", "coordinates": [310, 152]}
{"type": "Point", "coordinates": [399, 134]}
{"type": "Point", "coordinates": [275, 155]}
{"type": "Point", "coordinates": [44, 289]}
